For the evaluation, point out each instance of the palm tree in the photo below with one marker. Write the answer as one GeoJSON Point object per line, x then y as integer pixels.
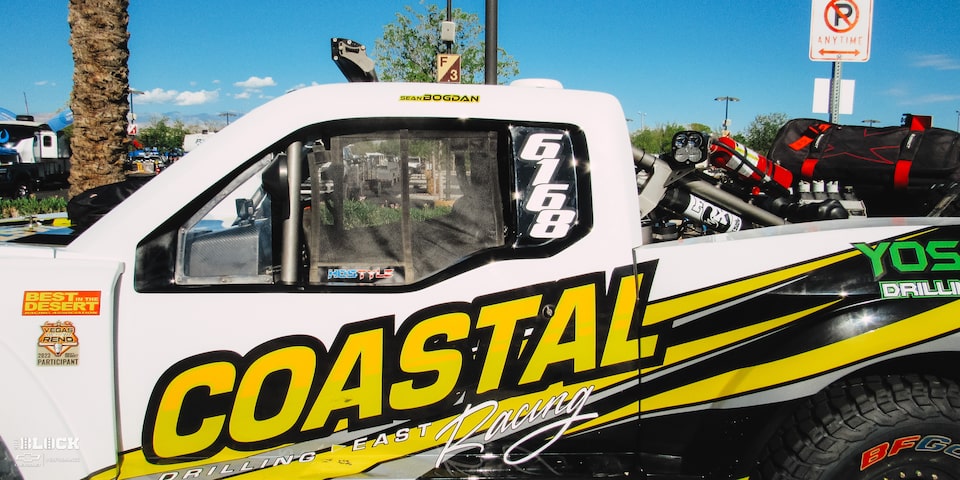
{"type": "Point", "coordinates": [98, 35]}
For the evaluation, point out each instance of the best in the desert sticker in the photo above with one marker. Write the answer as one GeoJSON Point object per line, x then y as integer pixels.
{"type": "Point", "coordinates": [58, 344]}
{"type": "Point", "coordinates": [61, 302]}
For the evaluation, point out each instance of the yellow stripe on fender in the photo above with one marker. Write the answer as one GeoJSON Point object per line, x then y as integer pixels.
{"type": "Point", "coordinates": [685, 304]}
{"type": "Point", "coordinates": [909, 331]}
{"type": "Point", "coordinates": [679, 353]}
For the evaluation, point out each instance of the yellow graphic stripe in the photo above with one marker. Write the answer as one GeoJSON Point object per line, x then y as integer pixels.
{"type": "Point", "coordinates": [685, 351]}
{"type": "Point", "coordinates": [108, 474]}
{"type": "Point", "coordinates": [344, 460]}
{"type": "Point", "coordinates": [685, 304]}
{"type": "Point", "coordinates": [919, 328]}
{"type": "Point", "coordinates": [918, 234]}
{"type": "Point", "coordinates": [135, 464]}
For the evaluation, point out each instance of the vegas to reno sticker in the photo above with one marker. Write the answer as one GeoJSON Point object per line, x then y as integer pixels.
{"type": "Point", "coordinates": [58, 344]}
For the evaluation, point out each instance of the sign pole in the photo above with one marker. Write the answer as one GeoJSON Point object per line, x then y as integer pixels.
{"type": "Point", "coordinates": [835, 81]}
{"type": "Point", "coordinates": [840, 31]}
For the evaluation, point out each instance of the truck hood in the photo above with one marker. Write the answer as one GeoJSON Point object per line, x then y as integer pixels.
{"type": "Point", "coordinates": [46, 231]}
{"type": "Point", "coordinates": [20, 250]}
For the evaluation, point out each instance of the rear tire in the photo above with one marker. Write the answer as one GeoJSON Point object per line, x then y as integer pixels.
{"type": "Point", "coordinates": [873, 428]}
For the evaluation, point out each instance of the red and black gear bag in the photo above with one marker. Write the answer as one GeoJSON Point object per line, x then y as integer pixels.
{"type": "Point", "coordinates": [898, 157]}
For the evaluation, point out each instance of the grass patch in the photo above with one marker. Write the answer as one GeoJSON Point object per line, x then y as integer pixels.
{"type": "Point", "coordinates": [358, 214]}
{"type": "Point", "coordinates": [21, 207]}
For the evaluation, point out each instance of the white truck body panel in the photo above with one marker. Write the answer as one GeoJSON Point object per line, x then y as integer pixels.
{"type": "Point", "coordinates": [62, 426]}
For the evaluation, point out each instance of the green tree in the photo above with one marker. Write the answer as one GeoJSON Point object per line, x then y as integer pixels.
{"type": "Point", "coordinates": [657, 139]}
{"type": "Point", "coordinates": [408, 50]}
{"type": "Point", "coordinates": [164, 137]}
{"type": "Point", "coordinates": [761, 132]}
{"type": "Point", "coordinates": [699, 127]}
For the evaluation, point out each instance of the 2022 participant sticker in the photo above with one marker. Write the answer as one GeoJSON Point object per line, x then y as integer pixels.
{"type": "Point", "coordinates": [58, 344]}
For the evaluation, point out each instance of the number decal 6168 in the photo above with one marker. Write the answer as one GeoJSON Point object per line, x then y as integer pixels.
{"type": "Point", "coordinates": [546, 183]}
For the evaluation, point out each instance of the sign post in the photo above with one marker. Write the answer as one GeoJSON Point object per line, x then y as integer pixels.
{"type": "Point", "coordinates": [840, 31]}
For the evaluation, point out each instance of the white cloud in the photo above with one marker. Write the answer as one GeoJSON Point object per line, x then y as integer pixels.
{"type": "Point", "coordinates": [932, 98]}
{"type": "Point", "coordinates": [256, 82]}
{"type": "Point", "coordinates": [302, 85]}
{"type": "Point", "coordinates": [197, 98]}
{"type": "Point", "coordinates": [938, 62]}
{"type": "Point", "coordinates": [159, 95]}
{"type": "Point", "coordinates": [243, 95]}
{"type": "Point", "coordinates": [45, 83]}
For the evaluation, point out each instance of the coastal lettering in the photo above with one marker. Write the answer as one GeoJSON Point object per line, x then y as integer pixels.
{"type": "Point", "coordinates": [501, 347]}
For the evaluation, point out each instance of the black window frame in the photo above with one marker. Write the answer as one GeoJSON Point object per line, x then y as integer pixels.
{"type": "Point", "coordinates": [156, 254]}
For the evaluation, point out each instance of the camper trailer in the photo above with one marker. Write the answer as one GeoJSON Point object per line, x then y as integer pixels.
{"type": "Point", "coordinates": [32, 156]}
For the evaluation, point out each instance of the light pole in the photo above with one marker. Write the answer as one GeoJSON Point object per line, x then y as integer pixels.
{"type": "Point", "coordinates": [726, 111]}
{"type": "Point", "coordinates": [871, 122]}
{"type": "Point", "coordinates": [228, 115]}
{"type": "Point", "coordinates": [133, 116]}
{"type": "Point", "coordinates": [643, 118]}
{"type": "Point", "coordinates": [958, 120]}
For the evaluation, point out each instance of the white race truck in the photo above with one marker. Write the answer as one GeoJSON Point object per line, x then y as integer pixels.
{"type": "Point", "coordinates": [226, 321]}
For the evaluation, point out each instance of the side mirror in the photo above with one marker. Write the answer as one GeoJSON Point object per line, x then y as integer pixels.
{"type": "Point", "coordinates": [244, 211]}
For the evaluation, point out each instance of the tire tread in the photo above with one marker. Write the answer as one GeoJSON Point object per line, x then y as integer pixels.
{"type": "Point", "coordinates": [822, 430]}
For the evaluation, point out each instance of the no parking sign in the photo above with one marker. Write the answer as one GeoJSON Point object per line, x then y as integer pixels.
{"type": "Point", "coordinates": [840, 30]}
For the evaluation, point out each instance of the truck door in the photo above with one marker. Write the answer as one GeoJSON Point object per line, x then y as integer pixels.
{"type": "Point", "coordinates": [57, 346]}
{"type": "Point", "coordinates": [444, 324]}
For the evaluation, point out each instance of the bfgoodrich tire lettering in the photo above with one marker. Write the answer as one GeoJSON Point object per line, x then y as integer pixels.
{"type": "Point", "coordinates": [871, 428]}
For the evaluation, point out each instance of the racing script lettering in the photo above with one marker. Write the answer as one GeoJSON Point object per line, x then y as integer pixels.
{"type": "Point", "coordinates": [508, 421]}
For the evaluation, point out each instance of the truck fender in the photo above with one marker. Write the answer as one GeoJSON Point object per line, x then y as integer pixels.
{"type": "Point", "coordinates": [56, 344]}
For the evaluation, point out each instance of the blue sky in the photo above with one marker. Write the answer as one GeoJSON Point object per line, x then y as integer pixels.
{"type": "Point", "coordinates": [665, 60]}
